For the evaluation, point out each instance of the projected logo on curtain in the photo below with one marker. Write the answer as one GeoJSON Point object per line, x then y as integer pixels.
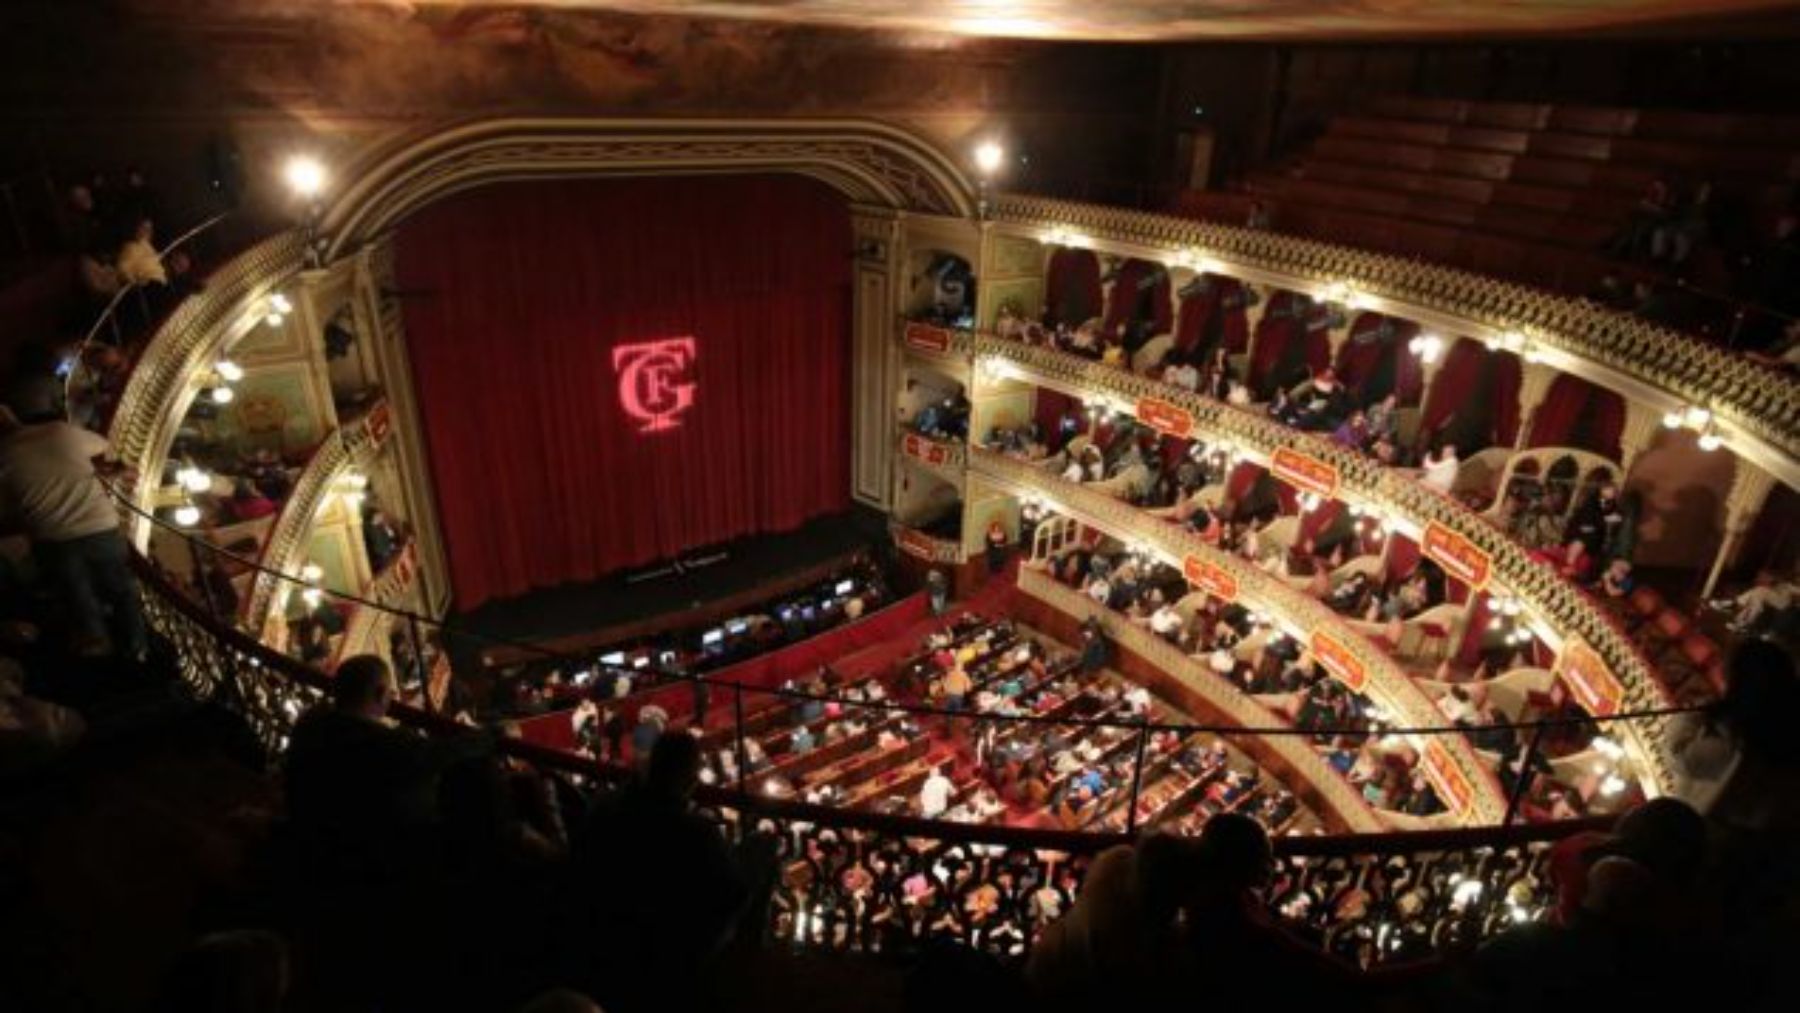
{"type": "Point", "coordinates": [650, 387]}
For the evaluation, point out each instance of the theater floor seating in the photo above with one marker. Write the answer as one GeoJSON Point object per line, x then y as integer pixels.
{"type": "Point", "coordinates": [1526, 191]}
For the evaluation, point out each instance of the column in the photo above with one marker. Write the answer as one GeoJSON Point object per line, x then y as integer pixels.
{"type": "Point", "coordinates": [1750, 488]}
{"type": "Point", "coordinates": [873, 354]}
{"type": "Point", "coordinates": [1534, 384]}
{"type": "Point", "coordinates": [1641, 424]}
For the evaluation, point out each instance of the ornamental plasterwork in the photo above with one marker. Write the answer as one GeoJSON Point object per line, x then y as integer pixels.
{"type": "Point", "coordinates": [1754, 405]}
{"type": "Point", "coordinates": [871, 163]}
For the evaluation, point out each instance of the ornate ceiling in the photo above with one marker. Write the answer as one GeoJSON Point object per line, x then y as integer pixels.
{"type": "Point", "coordinates": [1188, 19]}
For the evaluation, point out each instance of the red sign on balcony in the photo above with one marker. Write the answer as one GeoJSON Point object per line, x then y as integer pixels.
{"type": "Point", "coordinates": [1165, 418]}
{"type": "Point", "coordinates": [1305, 473]}
{"type": "Point", "coordinates": [1453, 788]}
{"type": "Point", "coordinates": [380, 421]}
{"type": "Point", "coordinates": [916, 544]}
{"type": "Point", "coordinates": [1210, 577]}
{"type": "Point", "coordinates": [1592, 685]}
{"type": "Point", "coordinates": [1338, 660]}
{"type": "Point", "coordinates": [1457, 555]}
{"type": "Point", "coordinates": [919, 447]}
{"type": "Point", "coordinates": [927, 338]}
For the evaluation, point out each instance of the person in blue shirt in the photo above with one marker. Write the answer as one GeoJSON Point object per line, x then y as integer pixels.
{"type": "Point", "coordinates": [802, 741]}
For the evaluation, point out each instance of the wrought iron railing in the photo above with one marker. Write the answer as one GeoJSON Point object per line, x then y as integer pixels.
{"type": "Point", "coordinates": [866, 882]}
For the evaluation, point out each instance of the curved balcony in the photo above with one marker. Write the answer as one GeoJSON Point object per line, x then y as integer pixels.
{"type": "Point", "coordinates": [1757, 409]}
{"type": "Point", "coordinates": [851, 880]}
{"type": "Point", "coordinates": [923, 545]}
{"type": "Point", "coordinates": [943, 458]}
{"type": "Point", "coordinates": [1467, 787]}
{"type": "Point", "coordinates": [1470, 548]}
{"type": "Point", "coordinates": [160, 389]}
{"type": "Point", "coordinates": [368, 625]}
{"type": "Point", "coordinates": [1322, 786]}
{"type": "Point", "coordinates": [350, 446]}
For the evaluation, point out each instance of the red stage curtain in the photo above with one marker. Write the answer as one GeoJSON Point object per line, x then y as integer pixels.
{"type": "Point", "coordinates": [1371, 366]}
{"type": "Point", "coordinates": [1198, 311]}
{"type": "Point", "coordinates": [1240, 480]}
{"type": "Point", "coordinates": [1476, 396]}
{"type": "Point", "coordinates": [1402, 557]}
{"type": "Point", "coordinates": [1362, 350]}
{"type": "Point", "coordinates": [1072, 293]}
{"type": "Point", "coordinates": [1280, 325]}
{"type": "Point", "coordinates": [1554, 422]}
{"type": "Point", "coordinates": [1313, 523]}
{"type": "Point", "coordinates": [1603, 423]}
{"type": "Point", "coordinates": [1138, 279]}
{"type": "Point", "coordinates": [1235, 304]}
{"type": "Point", "coordinates": [1468, 653]}
{"type": "Point", "coordinates": [1049, 411]}
{"type": "Point", "coordinates": [518, 296]}
{"type": "Point", "coordinates": [1505, 375]}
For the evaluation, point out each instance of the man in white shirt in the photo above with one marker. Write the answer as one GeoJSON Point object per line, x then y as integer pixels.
{"type": "Point", "coordinates": [934, 797]}
{"type": "Point", "coordinates": [48, 488]}
{"type": "Point", "coordinates": [1165, 621]}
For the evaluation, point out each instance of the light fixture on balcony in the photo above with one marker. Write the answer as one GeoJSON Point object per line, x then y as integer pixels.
{"type": "Point", "coordinates": [311, 573]}
{"type": "Point", "coordinates": [1710, 440]}
{"type": "Point", "coordinates": [228, 371]}
{"type": "Point", "coordinates": [1427, 347]}
{"type": "Point", "coordinates": [1513, 341]}
{"type": "Point", "coordinates": [989, 157]}
{"type": "Point", "coordinates": [305, 175]}
{"type": "Point", "coordinates": [1697, 417]}
{"type": "Point", "coordinates": [220, 395]}
{"type": "Point", "coordinates": [1673, 420]}
{"type": "Point", "coordinates": [281, 303]}
{"type": "Point", "coordinates": [194, 479]}
{"type": "Point", "coordinates": [187, 515]}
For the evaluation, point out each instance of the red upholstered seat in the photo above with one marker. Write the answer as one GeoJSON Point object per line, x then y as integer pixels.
{"type": "Point", "coordinates": [1646, 602]}
{"type": "Point", "coordinates": [1672, 625]}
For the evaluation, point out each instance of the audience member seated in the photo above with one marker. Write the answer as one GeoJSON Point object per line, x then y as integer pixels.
{"type": "Point", "coordinates": [659, 893]}
{"type": "Point", "coordinates": [359, 789]}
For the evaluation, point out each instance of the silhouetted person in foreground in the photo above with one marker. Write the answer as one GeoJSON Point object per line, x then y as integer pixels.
{"type": "Point", "coordinates": [659, 892]}
{"type": "Point", "coordinates": [1122, 936]}
{"type": "Point", "coordinates": [362, 794]}
{"type": "Point", "coordinates": [1237, 956]}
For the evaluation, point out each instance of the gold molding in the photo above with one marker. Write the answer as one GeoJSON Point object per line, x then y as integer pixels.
{"type": "Point", "coordinates": [872, 163]}
{"type": "Point", "coordinates": [1757, 409]}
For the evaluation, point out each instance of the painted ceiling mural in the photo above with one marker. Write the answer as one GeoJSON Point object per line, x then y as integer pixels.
{"type": "Point", "coordinates": [1161, 19]}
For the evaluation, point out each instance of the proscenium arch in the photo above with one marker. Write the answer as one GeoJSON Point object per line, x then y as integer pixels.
{"type": "Point", "coordinates": [871, 163]}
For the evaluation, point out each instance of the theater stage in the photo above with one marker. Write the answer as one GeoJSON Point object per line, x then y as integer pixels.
{"type": "Point", "coordinates": [564, 617]}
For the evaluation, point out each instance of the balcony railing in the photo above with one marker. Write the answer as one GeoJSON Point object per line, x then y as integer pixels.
{"type": "Point", "coordinates": [863, 882]}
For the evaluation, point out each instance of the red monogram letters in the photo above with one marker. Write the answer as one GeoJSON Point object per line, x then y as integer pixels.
{"type": "Point", "coordinates": [649, 372]}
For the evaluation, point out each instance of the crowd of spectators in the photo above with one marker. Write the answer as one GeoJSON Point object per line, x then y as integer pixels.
{"type": "Point", "coordinates": [1697, 258]}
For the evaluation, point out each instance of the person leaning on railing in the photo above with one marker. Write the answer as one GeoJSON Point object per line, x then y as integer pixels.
{"type": "Point", "coordinates": [50, 490]}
